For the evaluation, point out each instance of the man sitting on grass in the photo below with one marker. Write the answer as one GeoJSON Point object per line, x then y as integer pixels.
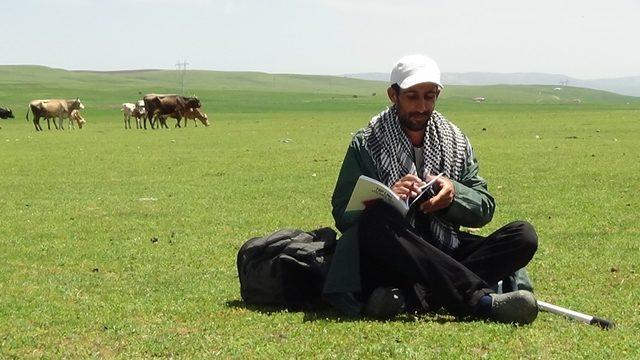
{"type": "Point", "coordinates": [385, 264]}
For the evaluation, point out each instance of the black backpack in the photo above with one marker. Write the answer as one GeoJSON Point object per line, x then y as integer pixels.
{"type": "Point", "coordinates": [287, 267]}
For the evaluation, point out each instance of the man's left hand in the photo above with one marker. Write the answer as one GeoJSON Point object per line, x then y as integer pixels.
{"type": "Point", "coordinates": [442, 199]}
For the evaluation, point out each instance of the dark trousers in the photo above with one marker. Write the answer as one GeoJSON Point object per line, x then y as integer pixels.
{"type": "Point", "coordinates": [392, 253]}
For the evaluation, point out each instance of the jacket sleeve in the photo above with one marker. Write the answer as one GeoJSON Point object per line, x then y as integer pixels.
{"type": "Point", "coordinates": [473, 205]}
{"type": "Point", "coordinates": [356, 162]}
{"type": "Point", "coordinates": [343, 278]}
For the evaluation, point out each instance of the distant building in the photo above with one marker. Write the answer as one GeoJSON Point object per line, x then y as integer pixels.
{"type": "Point", "coordinates": [479, 99]}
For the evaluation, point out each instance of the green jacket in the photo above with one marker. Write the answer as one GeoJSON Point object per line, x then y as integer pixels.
{"type": "Point", "coordinates": [473, 206]}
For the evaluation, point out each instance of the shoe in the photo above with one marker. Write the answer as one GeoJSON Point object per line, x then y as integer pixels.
{"type": "Point", "coordinates": [518, 307]}
{"type": "Point", "coordinates": [385, 303]}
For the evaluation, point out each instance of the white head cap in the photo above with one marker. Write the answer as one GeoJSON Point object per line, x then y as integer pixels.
{"type": "Point", "coordinates": [415, 69]}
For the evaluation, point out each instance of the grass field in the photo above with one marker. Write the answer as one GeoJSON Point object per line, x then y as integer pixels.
{"type": "Point", "coordinates": [122, 243]}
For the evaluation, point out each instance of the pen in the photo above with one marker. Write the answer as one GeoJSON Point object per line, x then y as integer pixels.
{"type": "Point", "coordinates": [430, 182]}
{"type": "Point", "coordinates": [424, 187]}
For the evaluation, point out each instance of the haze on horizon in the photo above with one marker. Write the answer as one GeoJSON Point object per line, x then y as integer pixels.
{"type": "Point", "coordinates": [582, 39]}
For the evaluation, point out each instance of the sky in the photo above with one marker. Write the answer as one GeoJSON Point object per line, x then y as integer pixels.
{"type": "Point", "coordinates": [582, 39]}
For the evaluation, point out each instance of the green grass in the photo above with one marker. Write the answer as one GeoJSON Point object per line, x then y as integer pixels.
{"type": "Point", "coordinates": [82, 274]}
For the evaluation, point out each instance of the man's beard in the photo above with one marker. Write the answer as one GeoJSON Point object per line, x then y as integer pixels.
{"type": "Point", "coordinates": [414, 121]}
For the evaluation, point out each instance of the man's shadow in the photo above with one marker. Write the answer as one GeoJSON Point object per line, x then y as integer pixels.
{"type": "Point", "coordinates": [324, 312]}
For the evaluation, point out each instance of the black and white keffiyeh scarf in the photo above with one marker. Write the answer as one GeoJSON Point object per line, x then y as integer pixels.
{"type": "Point", "coordinates": [445, 150]}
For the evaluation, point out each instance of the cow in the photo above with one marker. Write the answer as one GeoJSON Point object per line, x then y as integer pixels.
{"type": "Point", "coordinates": [77, 118]}
{"type": "Point", "coordinates": [190, 113]}
{"type": "Point", "coordinates": [74, 118]}
{"type": "Point", "coordinates": [139, 113]}
{"type": "Point", "coordinates": [6, 113]}
{"type": "Point", "coordinates": [127, 111]}
{"type": "Point", "coordinates": [52, 108]}
{"type": "Point", "coordinates": [47, 117]}
{"type": "Point", "coordinates": [136, 110]}
{"type": "Point", "coordinates": [171, 105]}
{"type": "Point", "coordinates": [196, 114]}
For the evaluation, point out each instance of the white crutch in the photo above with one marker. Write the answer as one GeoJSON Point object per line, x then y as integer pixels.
{"type": "Point", "coordinates": [591, 320]}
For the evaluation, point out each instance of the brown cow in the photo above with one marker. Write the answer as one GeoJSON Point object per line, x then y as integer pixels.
{"type": "Point", "coordinates": [52, 108]}
{"type": "Point", "coordinates": [190, 113]}
{"type": "Point", "coordinates": [77, 118]}
{"type": "Point", "coordinates": [74, 118]}
{"type": "Point", "coordinates": [196, 114]}
{"type": "Point", "coordinates": [171, 105]}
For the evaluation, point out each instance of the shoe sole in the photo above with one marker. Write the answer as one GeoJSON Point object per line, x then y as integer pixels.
{"type": "Point", "coordinates": [519, 307]}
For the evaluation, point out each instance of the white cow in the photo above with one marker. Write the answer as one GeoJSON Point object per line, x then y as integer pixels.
{"type": "Point", "coordinates": [127, 111]}
{"type": "Point", "coordinates": [136, 110]}
{"type": "Point", "coordinates": [139, 113]}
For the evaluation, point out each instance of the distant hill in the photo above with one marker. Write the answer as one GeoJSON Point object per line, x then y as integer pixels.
{"type": "Point", "coordinates": [247, 91]}
{"type": "Point", "coordinates": [150, 80]}
{"type": "Point", "coordinates": [624, 86]}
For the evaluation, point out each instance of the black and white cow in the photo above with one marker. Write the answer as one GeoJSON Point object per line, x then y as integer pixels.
{"type": "Point", "coordinates": [5, 113]}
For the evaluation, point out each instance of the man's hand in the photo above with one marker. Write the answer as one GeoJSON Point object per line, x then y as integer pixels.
{"type": "Point", "coordinates": [408, 186]}
{"type": "Point", "coordinates": [442, 199]}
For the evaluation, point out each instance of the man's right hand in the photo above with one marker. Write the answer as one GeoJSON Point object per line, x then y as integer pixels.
{"type": "Point", "coordinates": [408, 186]}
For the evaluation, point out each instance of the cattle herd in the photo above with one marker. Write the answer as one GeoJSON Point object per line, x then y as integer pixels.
{"type": "Point", "coordinates": [154, 108]}
{"type": "Point", "coordinates": [158, 108]}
